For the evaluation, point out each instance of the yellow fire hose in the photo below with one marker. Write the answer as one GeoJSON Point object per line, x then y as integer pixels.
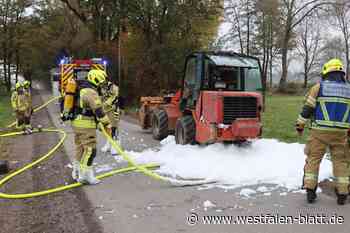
{"type": "Point", "coordinates": [144, 168]}
{"type": "Point", "coordinates": [46, 156]}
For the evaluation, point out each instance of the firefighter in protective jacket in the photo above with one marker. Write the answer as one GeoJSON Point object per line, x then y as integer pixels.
{"type": "Point", "coordinates": [22, 105]}
{"type": "Point", "coordinates": [328, 105]}
{"type": "Point", "coordinates": [110, 94]}
{"type": "Point", "coordinates": [88, 114]}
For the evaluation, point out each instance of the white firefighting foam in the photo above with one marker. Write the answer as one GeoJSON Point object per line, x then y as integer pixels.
{"type": "Point", "coordinates": [265, 161]}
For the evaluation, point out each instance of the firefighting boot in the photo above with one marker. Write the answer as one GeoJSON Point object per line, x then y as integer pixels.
{"type": "Point", "coordinates": [40, 128]}
{"type": "Point", "coordinates": [114, 151]}
{"type": "Point", "coordinates": [106, 147]}
{"type": "Point", "coordinates": [76, 170]}
{"type": "Point", "coordinates": [28, 129]}
{"type": "Point", "coordinates": [311, 195]}
{"type": "Point", "coordinates": [341, 198]}
{"type": "Point", "coordinates": [117, 140]}
{"type": "Point", "coordinates": [87, 176]}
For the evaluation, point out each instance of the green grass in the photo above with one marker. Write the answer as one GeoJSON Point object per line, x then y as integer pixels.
{"type": "Point", "coordinates": [5, 119]}
{"type": "Point", "coordinates": [279, 118]}
{"type": "Point", "coordinates": [5, 110]}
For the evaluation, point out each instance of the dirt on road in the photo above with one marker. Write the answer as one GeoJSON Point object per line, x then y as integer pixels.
{"type": "Point", "coordinates": [68, 211]}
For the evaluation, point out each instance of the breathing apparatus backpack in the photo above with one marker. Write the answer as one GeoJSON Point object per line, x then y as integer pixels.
{"type": "Point", "coordinates": [72, 100]}
{"type": "Point", "coordinates": [69, 98]}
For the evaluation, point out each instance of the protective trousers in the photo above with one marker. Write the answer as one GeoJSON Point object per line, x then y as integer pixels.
{"type": "Point", "coordinates": [20, 120]}
{"type": "Point", "coordinates": [27, 117]}
{"type": "Point", "coordinates": [317, 144]}
{"type": "Point", "coordinates": [85, 141]}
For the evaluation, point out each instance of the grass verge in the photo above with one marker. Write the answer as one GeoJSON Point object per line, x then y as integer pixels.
{"type": "Point", "coordinates": [279, 118]}
{"type": "Point", "coordinates": [5, 110]}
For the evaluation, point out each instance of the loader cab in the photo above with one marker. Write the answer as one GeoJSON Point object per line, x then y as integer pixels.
{"type": "Point", "coordinates": [222, 71]}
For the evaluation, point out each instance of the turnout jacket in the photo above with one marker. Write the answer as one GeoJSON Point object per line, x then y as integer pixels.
{"type": "Point", "coordinates": [327, 104]}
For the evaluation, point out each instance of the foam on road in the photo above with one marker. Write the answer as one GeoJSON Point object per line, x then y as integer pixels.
{"type": "Point", "coordinates": [265, 161]}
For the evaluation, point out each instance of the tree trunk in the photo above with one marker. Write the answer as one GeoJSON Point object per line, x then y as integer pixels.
{"type": "Point", "coordinates": [9, 74]}
{"type": "Point", "coordinates": [305, 79]}
{"type": "Point", "coordinates": [17, 64]}
{"type": "Point", "coordinates": [306, 65]}
{"type": "Point", "coordinates": [248, 34]}
{"type": "Point", "coordinates": [283, 80]}
{"type": "Point", "coordinates": [347, 59]}
{"type": "Point", "coordinates": [271, 81]}
{"type": "Point", "coordinates": [7, 71]}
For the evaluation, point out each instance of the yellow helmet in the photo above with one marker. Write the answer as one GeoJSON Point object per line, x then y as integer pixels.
{"type": "Point", "coordinates": [96, 77]}
{"type": "Point", "coordinates": [18, 85]}
{"type": "Point", "coordinates": [332, 66]}
{"type": "Point", "coordinates": [26, 84]}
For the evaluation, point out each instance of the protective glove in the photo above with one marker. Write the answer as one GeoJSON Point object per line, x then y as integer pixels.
{"type": "Point", "coordinates": [299, 128]}
{"type": "Point", "coordinates": [63, 117]}
{"type": "Point", "coordinates": [66, 116]}
{"type": "Point", "coordinates": [108, 128]}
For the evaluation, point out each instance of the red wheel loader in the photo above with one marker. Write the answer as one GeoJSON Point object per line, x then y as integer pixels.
{"type": "Point", "coordinates": [220, 101]}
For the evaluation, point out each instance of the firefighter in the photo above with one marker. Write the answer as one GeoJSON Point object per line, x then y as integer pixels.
{"type": "Point", "coordinates": [327, 104]}
{"type": "Point", "coordinates": [110, 94]}
{"type": "Point", "coordinates": [89, 115]}
{"type": "Point", "coordinates": [21, 104]}
{"type": "Point", "coordinates": [28, 93]}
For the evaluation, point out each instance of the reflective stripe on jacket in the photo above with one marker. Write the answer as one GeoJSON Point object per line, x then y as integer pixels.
{"type": "Point", "coordinates": [84, 122]}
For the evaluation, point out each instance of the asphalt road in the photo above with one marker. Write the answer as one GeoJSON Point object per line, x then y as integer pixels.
{"type": "Point", "coordinates": [68, 212]}
{"type": "Point", "coordinates": [130, 203]}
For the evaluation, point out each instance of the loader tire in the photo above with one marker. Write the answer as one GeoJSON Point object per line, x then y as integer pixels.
{"type": "Point", "coordinates": [4, 167]}
{"type": "Point", "coordinates": [159, 124]}
{"type": "Point", "coordinates": [185, 130]}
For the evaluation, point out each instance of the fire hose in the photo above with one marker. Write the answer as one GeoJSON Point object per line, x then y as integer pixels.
{"type": "Point", "coordinates": [146, 169]}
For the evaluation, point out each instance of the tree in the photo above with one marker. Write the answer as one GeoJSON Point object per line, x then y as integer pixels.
{"type": "Point", "coordinates": [331, 48]}
{"type": "Point", "coordinates": [266, 40]}
{"type": "Point", "coordinates": [294, 12]}
{"type": "Point", "coordinates": [241, 15]}
{"type": "Point", "coordinates": [162, 33]}
{"type": "Point", "coordinates": [102, 17]}
{"type": "Point", "coordinates": [308, 45]}
{"type": "Point", "coordinates": [342, 14]}
{"type": "Point", "coordinates": [11, 17]}
{"type": "Point", "coordinates": [157, 35]}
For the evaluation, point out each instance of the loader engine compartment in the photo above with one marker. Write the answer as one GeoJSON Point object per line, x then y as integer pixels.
{"type": "Point", "coordinates": [239, 107]}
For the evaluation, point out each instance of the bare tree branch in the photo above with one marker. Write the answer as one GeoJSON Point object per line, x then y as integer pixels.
{"type": "Point", "coordinates": [81, 16]}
